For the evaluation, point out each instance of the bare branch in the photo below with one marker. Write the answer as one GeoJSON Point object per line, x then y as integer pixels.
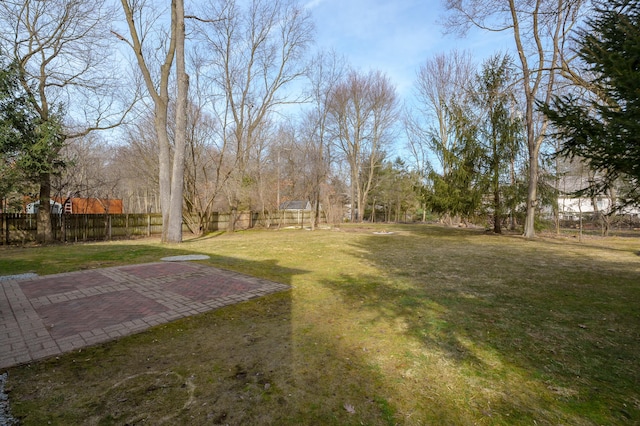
{"type": "Point", "coordinates": [208, 21]}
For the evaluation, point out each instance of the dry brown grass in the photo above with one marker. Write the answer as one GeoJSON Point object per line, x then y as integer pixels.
{"type": "Point", "coordinates": [427, 325]}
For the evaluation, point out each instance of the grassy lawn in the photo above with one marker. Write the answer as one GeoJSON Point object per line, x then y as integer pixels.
{"type": "Point", "coordinates": [424, 326]}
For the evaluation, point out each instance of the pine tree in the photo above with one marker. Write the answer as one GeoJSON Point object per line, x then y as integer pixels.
{"type": "Point", "coordinates": [602, 126]}
{"type": "Point", "coordinates": [29, 146]}
{"type": "Point", "coordinates": [498, 131]}
{"type": "Point", "coordinates": [457, 192]}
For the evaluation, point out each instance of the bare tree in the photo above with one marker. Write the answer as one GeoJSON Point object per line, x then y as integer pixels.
{"type": "Point", "coordinates": [442, 82]}
{"type": "Point", "coordinates": [174, 230]}
{"type": "Point", "coordinates": [256, 50]}
{"type": "Point", "coordinates": [325, 70]}
{"type": "Point", "coordinates": [207, 168]}
{"type": "Point", "coordinates": [540, 28]}
{"type": "Point", "coordinates": [286, 154]}
{"type": "Point", "coordinates": [140, 18]}
{"type": "Point", "coordinates": [364, 110]}
{"type": "Point", "coordinates": [66, 67]}
{"type": "Point", "coordinates": [89, 173]}
{"type": "Point", "coordinates": [137, 160]}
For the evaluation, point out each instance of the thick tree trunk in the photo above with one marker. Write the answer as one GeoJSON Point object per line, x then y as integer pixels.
{"type": "Point", "coordinates": [315, 221]}
{"type": "Point", "coordinates": [497, 213]}
{"type": "Point", "coordinates": [174, 229]}
{"type": "Point", "coordinates": [232, 219]}
{"type": "Point", "coordinates": [164, 159]}
{"type": "Point", "coordinates": [44, 232]}
{"type": "Point", "coordinates": [497, 201]}
{"type": "Point", "coordinates": [160, 94]}
{"type": "Point", "coordinates": [532, 194]}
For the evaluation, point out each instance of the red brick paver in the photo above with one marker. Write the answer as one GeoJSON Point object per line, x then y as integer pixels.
{"type": "Point", "coordinates": [49, 315]}
{"type": "Point", "coordinates": [62, 284]}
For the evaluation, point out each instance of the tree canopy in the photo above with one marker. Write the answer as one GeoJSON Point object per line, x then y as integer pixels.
{"type": "Point", "coordinates": [601, 124]}
{"type": "Point", "coordinates": [28, 144]}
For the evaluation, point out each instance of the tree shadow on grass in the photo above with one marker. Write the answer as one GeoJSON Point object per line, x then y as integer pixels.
{"type": "Point", "coordinates": [527, 332]}
{"type": "Point", "coordinates": [248, 363]}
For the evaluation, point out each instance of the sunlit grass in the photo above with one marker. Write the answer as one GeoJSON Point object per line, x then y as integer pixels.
{"type": "Point", "coordinates": [427, 325]}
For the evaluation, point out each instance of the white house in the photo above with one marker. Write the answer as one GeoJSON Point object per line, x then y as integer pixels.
{"type": "Point", "coordinates": [571, 207]}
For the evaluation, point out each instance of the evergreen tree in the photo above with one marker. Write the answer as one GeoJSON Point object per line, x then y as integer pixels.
{"type": "Point", "coordinates": [603, 127]}
{"type": "Point", "coordinates": [29, 146]}
{"type": "Point", "coordinates": [457, 192]}
{"type": "Point", "coordinates": [498, 131]}
{"type": "Point", "coordinates": [394, 191]}
{"type": "Point", "coordinates": [10, 113]}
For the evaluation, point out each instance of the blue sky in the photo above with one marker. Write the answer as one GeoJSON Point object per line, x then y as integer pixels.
{"type": "Point", "coordinates": [394, 36]}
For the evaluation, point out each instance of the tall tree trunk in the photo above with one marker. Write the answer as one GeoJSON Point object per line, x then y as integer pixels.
{"type": "Point", "coordinates": [164, 162]}
{"type": "Point", "coordinates": [354, 201]}
{"type": "Point", "coordinates": [315, 215]}
{"type": "Point", "coordinates": [532, 193]}
{"type": "Point", "coordinates": [532, 87]}
{"type": "Point", "coordinates": [160, 94]}
{"type": "Point", "coordinates": [556, 207]}
{"type": "Point", "coordinates": [497, 203]}
{"type": "Point", "coordinates": [44, 232]}
{"type": "Point", "coordinates": [174, 231]}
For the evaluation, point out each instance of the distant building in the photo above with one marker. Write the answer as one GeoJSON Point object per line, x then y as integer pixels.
{"type": "Point", "coordinates": [572, 206]}
{"type": "Point", "coordinates": [32, 208]}
{"type": "Point", "coordinates": [296, 205]}
{"type": "Point", "coordinates": [77, 205]}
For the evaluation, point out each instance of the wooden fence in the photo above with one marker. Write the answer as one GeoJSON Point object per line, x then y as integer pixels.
{"type": "Point", "coordinates": [20, 228]}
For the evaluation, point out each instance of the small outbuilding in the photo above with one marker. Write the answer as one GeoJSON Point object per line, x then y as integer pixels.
{"type": "Point", "coordinates": [296, 205]}
{"type": "Point", "coordinates": [295, 212]}
{"type": "Point", "coordinates": [78, 205]}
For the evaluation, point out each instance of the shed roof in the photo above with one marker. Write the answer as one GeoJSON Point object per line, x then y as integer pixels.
{"type": "Point", "coordinates": [295, 205]}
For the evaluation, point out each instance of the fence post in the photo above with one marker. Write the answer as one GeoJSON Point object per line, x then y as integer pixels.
{"type": "Point", "coordinates": [63, 227]}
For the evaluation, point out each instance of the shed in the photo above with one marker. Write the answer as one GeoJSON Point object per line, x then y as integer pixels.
{"type": "Point", "coordinates": [77, 205]}
{"type": "Point", "coordinates": [296, 205]}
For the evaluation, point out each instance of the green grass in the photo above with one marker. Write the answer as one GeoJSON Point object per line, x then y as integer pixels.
{"type": "Point", "coordinates": [428, 325]}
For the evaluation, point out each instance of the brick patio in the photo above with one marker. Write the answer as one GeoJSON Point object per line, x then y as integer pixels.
{"type": "Point", "coordinates": [49, 315]}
